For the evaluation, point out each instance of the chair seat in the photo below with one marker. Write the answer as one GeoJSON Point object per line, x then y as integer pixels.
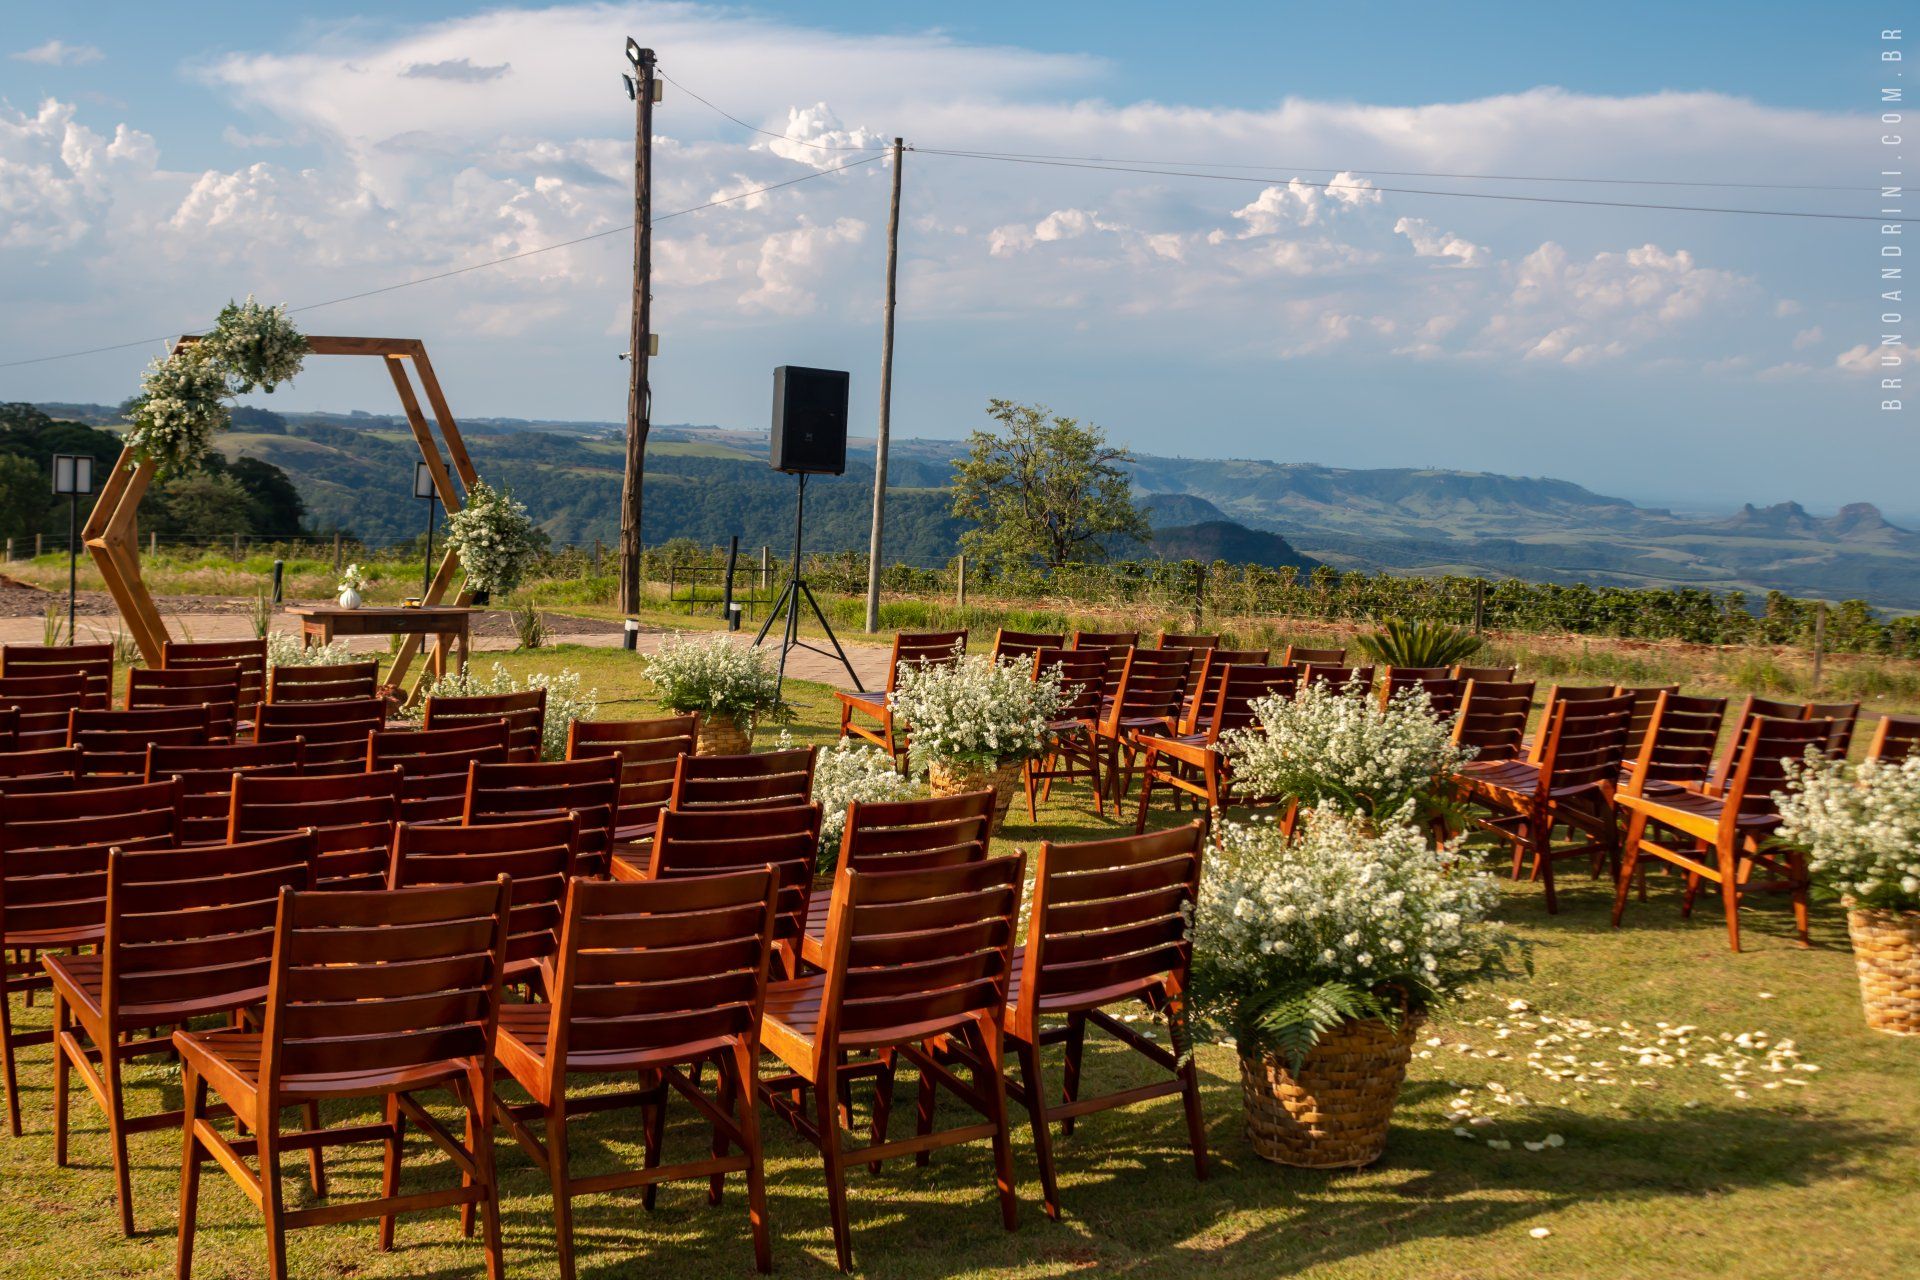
{"type": "Point", "coordinates": [79, 979]}
{"type": "Point", "coordinates": [229, 1061]}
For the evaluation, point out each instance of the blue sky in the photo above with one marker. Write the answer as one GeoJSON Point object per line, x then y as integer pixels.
{"type": "Point", "coordinates": [155, 162]}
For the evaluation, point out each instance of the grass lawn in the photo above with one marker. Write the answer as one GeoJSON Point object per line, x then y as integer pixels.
{"type": "Point", "coordinates": [1663, 1171]}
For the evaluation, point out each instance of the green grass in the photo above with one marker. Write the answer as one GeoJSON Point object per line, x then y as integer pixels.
{"type": "Point", "coordinates": [1677, 1179]}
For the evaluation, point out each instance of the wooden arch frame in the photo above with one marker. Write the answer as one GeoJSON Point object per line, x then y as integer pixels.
{"type": "Point", "coordinates": [112, 539]}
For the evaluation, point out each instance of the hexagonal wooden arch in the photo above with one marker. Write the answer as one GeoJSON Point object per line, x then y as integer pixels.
{"type": "Point", "coordinates": [112, 539]}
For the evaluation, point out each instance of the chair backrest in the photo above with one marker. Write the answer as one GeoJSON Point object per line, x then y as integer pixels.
{"type": "Point", "coordinates": [1583, 743]}
{"type": "Point", "coordinates": [1443, 691]}
{"type": "Point", "coordinates": [1109, 920]}
{"type": "Point", "coordinates": [1339, 678]}
{"type": "Point", "coordinates": [1022, 645]}
{"type": "Point", "coordinates": [196, 929]}
{"type": "Point", "coordinates": [117, 741]}
{"type": "Point", "coordinates": [525, 713]}
{"type": "Point", "coordinates": [1174, 640]}
{"type": "Point", "coordinates": [335, 730]}
{"type": "Point", "coordinates": [53, 856]}
{"type": "Point", "coordinates": [1298, 655]}
{"type": "Point", "coordinates": [1083, 675]}
{"type": "Point", "coordinates": [1152, 684]}
{"type": "Point", "coordinates": [1203, 685]}
{"type": "Point", "coordinates": [761, 779]}
{"type": "Point", "coordinates": [214, 686]}
{"type": "Point", "coordinates": [206, 778]}
{"type": "Point", "coordinates": [913, 954]}
{"type": "Point", "coordinates": [353, 815]}
{"type": "Point", "coordinates": [339, 682]}
{"type": "Point", "coordinates": [1750, 710]}
{"type": "Point", "coordinates": [250, 656]}
{"type": "Point", "coordinates": [647, 749]}
{"type": "Point", "coordinates": [706, 842]}
{"type": "Point", "coordinates": [1241, 686]}
{"type": "Point", "coordinates": [662, 968]}
{"type": "Point", "coordinates": [1768, 746]}
{"type": "Point", "coordinates": [514, 792]}
{"type": "Point", "coordinates": [1894, 739]}
{"type": "Point", "coordinates": [1485, 675]}
{"type": "Point", "coordinates": [537, 858]}
{"type": "Point", "coordinates": [44, 704]}
{"type": "Point", "coordinates": [384, 981]}
{"type": "Point", "coordinates": [924, 648]}
{"type": "Point", "coordinates": [1845, 716]}
{"type": "Point", "coordinates": [908, 835]}
{"type": "Point", "coordinates": [433, 764]}
{"type": "Point", "coordinates": [1493, 718]}
{"type": "Point", "coordinates": [92, 662]}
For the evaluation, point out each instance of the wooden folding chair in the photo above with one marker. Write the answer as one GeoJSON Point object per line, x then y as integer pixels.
{"type": "Point", "coordinates": [1300, 656]}
{"type": "Point", "coordinates": [352, 814]}
{"type": "Point", "coordinates": [652, 978]}
{"type": "Point", "coordinates": [1145, 701]}
{"type": "Point", "coordinates": [648, 750]}
{"type": "Point", "coordinates": [53, 872]}
{"type": "Point", "coordinates": [930, 648]}
{"type": "Point", "coordinates": [1570, 785]}
{"type": "Point", "coordinates": [525, 713]}
{"type": "Point", "coordinates": [117, 741]}
{"type": "Point", "coordinates": [433, 764]}
{"type": "Point", "coordinates": [1845, 716]}
{"type": "Point", "coordinates": [1337, 678]}
{"type": "Point", "coordinates": [335, 729]}
{"type": "Point", "coordinates": [206, 779]}
{"type": "Point", "coordinates": [215, 686]}
{"type": "Point", "coordinates": [544, 789]}
{"type": "Point", "coordinates": [1730, 830]}
{"type": "Point", "coordinates": [371, 995]}
{"type": "Point", "coordinates": [43, 704]}
{"type": "Point", "coordinates": [901, 835]}
{"type": "Point", "coordinates": [1894, 739]}
{"type": "Point", "coordinates": [761, 779]}
{"type": "Point", "coordinates": [93, 663]}
{"type": "Point", "coordinates": [1203, 687]}
{"type": "Point", "coordinates": [1109, 924]}
{"type": "Point", "coordinates": [1020, 646]}
{"type": "Point", "coordinates": [1073, 746]}
{"type": "Point", "coordinates": [536, 856]}
{"type": "Point", "coordinates": [250, 656]}
{"type": "Point", "coordinates": [187, 935]}
{"type": "Point", "coordinates": [1192, 763]}
{"type": "Point", "coordinates": [913, 957]}
{"type": "Point", "coordinates": [339, 682]}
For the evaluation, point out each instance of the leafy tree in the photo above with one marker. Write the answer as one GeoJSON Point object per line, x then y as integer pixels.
{"type": "Point", "coordinates": [1045, 491]}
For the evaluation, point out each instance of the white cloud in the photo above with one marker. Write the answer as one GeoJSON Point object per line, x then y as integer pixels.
{"type": "Point", "coordinates": [58, 53]}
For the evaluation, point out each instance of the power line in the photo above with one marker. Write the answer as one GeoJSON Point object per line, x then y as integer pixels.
{"type": "Point", "coordinates": [1414, 191]}
{"type": "Point", "coordinates": [477, 266]}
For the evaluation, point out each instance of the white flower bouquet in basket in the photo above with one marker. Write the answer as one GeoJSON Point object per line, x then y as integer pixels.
{"type": "Point", "coordinates": [733, 688]}
{"type": "Point", "coordinates": [972, 723]}
{"type": "Point", "coordinates": [1860, 826]}
{"type": "Point", "coordinates": [1319, 956]}
{"type": "Point", "coordinates": [495, 539]}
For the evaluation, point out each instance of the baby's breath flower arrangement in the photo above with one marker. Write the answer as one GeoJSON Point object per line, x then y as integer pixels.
{"type": "Point", "coordinates": [568, 699]}
{"type": "Point", "coordinates": [180, 409]}
{"type": "Point", "coordinates": [845, 772]}
{"type": "Point", "coordinates": [255, 345]}
{"type": "Point", "coordinates": [1340, 749]}
{"type": "Point", "coordinates": [494, 537]}
{"type": "Point", "coordinates": [718, 678]}
{"type": "Point", "coordinates": [975, 711]}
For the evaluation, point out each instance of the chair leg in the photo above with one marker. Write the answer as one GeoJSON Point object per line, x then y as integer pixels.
{"type": "Point", "coordinates": [994, 1087]}
{"type": "Point", "coordinates": [1076, 1045]}
{"type": "Point", "coordinates": [1029, 1056]}
{"type": "Point", "coordinates": [117, 1132]}
{"type": "Point", "coordinates": [557, 1173]}
{"type": "Point", "coordinates": [826, 1114]}
{"type": "Point", "coordinates": [194, 1093]}
{"type": "Point", "coordinates": [745, 1073]}
{"type": "Point", "coordinates": [394, 1149]}
{"type": "Point", "coordinates": [1630, 861]}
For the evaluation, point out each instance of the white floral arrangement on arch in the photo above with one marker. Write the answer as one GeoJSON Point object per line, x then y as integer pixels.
{"type": "Point", "coordinates": [494, 537]}
{"type": "Point", "coordinates": [567, 698]}
{"type": "Point", "coordinates": [1860, 826]}
{"type": "Point", "coordinates": [181, 406]}
{"type": "Point", "coordinates": [1347, 920]}
{"type": "Point", "coordinates": [975, 711]}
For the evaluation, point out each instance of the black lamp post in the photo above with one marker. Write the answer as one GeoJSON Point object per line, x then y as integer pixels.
{"type": "Point", "coordinates": [72, 476]}
{"type": "Point", "coordinates": [423, 488]}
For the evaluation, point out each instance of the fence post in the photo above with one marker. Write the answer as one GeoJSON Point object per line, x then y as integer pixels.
{"type": "Point", "coordinates": [1819, 643]}
{"type": "Point", "coordinates": [336, 553]}
{"type": "Point", "coordinates": [960, 581]}
{"type": "Point", "coordinates": [1479, 605]}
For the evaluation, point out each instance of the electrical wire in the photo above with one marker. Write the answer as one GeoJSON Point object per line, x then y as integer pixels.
{"type": "Point", "coordinates": [477, 266]}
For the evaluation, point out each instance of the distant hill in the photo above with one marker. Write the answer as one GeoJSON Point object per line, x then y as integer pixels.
{"type": "Point", "coordinates": [1224, 540]}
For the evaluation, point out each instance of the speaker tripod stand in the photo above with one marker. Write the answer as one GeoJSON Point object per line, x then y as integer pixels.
{"type": "Point", "coordinates": [789, 603]}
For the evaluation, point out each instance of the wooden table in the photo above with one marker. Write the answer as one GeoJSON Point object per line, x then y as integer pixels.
{"type": "Point", "coordinates": [321, 623]}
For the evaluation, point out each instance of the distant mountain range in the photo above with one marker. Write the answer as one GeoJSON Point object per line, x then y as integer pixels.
{"type": "Point", "coordinates": [708, 483]}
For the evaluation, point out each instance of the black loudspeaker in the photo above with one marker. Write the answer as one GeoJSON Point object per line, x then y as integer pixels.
{"type": "Point", "coordinates": [809, 421]}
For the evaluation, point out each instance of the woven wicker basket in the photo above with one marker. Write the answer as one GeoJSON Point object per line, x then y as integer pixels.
{"type": "Point", "coordinates": [945, 779]}
{"type": "Point", "coordinates": [1334, 1113]}
{"type": "Point", "coordinates": [1886, 951]}
{"type": "Point", "coordinates": [721, 735]}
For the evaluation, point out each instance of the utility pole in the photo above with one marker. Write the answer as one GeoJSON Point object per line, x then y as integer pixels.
{"type": "Point", "coordinates": [640, 87]}
{"type": "Point", "coordinates": [886, 401]}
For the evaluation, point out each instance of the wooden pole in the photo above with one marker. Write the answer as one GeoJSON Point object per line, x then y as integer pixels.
{"type": "Point", "coordinates": [639, 397]}
{"type": "Point", "coordinates": [886, 400]}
